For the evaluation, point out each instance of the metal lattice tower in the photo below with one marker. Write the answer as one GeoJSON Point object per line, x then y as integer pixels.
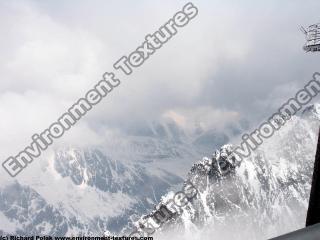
{"type": "Point", "coordinates": [313, 38]}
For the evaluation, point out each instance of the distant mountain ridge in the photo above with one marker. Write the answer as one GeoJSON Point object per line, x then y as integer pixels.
{"type": "Point", "coordinates": [107, 188]}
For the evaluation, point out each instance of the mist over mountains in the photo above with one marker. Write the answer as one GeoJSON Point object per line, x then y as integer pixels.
{"type": "Point", "coordinates": [91, 190]}
{"type": "Point", "coordinates": [108, 188]}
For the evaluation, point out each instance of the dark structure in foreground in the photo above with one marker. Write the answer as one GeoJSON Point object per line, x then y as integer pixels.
{"type": "Point", "coordinates": [313, 216]}
{"type": "Point", "coordinates": [312, 232]}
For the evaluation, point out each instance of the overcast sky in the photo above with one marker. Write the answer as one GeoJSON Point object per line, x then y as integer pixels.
{"type": "Point", "coordinates": [234, 60]}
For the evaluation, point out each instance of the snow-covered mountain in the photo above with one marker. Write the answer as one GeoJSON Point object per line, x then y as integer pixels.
{"type": "Point", "coordinates": [101, 188]}
{"type": "Point", "coordinates": [107, 188]}
{"type": "Point", "coordinates": [82, 191]}
{"type": "Point", "coordinates": [264, 196]}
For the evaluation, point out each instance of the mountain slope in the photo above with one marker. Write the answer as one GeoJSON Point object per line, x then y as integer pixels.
{"type": "Point", "coordinates": [264, 196]}
{"type": "Point", "coordinates": [100, 188]}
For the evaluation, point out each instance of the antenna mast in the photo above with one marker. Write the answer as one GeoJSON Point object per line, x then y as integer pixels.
{"type": "Point", "coordinates": [313, 38]}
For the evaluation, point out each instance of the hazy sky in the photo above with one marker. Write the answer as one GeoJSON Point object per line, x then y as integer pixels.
{"type": "Point", "coordinates": [235, 59]}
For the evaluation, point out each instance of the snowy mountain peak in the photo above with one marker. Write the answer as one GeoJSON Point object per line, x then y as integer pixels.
{"type": "Point", "coordinates": [263, 197]}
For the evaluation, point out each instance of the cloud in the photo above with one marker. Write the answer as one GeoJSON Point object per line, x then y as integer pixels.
{"type": "Point", "coordinates": [204, 117]}
{"type": "Point", "coordinates": [228, 63]}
